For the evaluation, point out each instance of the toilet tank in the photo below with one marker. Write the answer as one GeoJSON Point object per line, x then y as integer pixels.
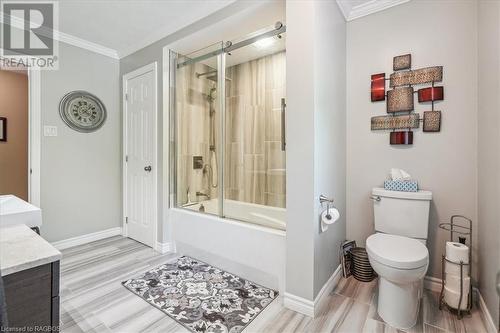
{"type": "Point", "coordinates": [402, 213]}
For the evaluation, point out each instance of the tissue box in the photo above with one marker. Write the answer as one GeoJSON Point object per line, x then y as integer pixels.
{"type": "Point", "coordinates": [404, 186]}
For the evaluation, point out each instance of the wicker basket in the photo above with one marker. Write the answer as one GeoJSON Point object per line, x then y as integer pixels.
{"type": "Point", "coordinates": [361, 268]}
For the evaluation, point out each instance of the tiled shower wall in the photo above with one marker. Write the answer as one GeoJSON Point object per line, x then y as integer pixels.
{"type": "Point", "coordinates": [254, 162]}
{"type": "Point", "coordinates": [193, 128]}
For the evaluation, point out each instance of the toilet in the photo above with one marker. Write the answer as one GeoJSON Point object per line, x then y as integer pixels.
{"type": "Point", "coordinates": [398, 253]}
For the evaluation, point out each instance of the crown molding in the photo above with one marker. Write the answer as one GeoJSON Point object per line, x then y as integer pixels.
{"type": "Point", "coordinates": [87, 45]}
{"type": "Point", "coordinates": [367, 8]}
{"type": "Point", "coordinates": [66, 38]}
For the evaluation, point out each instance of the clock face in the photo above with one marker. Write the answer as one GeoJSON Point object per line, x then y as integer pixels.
{"type": "Point", "coordinates": [82, 111]}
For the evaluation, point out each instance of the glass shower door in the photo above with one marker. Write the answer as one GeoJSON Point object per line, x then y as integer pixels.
{"type": "Point", "coordinates": [254, 145]}
{"type": "Point", "coordinates": [196, 131]}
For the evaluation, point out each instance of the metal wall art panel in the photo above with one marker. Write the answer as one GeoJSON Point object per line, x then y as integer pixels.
{"type": "Point", "coordinates": [430, 94]}
{"type": "Point", "coordinates": [401, 138]}
{"type": "Point", "coordinates": [401, 62]}
{"type": "Point", "coordinates": [400, 99]}
{"type": "Point", "coordinates": [378, 87]}
{"type": "Point", "coordinates": [395, 122]}
{"type": "Point", "coordinates": [417, 76]}
{"type": "Point", "coordinates": [432, 121]}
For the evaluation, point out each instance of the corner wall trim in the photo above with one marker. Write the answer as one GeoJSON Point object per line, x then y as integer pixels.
{"type": "Point", "coordinates": [84, 239]}
{"type": "Point", "coordinates": [165, 247]}
{"type": "Point", "coordinates": [490, 323]}
{"type": "Point", "coordinates": [434, 284]}
{"type": "Point", "coordinates": [311, 308]}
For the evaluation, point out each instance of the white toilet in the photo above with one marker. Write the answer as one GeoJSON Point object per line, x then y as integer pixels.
{"type": "Point", "coordinates": [398, 253]}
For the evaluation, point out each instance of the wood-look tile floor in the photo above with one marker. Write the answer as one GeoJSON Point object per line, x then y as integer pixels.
{"type": "Point", "coordinates": [93, 299]}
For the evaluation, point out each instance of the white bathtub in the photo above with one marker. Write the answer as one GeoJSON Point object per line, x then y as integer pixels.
{"type": "Point", "coordinates": [267, 216]}
{"type": "Point", "coordinates": [17, 211]}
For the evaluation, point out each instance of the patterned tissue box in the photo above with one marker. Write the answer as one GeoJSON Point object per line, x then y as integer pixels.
{"type": "Point", "coordinates": [403, 186]}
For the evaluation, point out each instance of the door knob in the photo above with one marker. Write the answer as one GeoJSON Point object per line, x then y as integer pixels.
{"type": "Point", "coordinates": [147, 168]}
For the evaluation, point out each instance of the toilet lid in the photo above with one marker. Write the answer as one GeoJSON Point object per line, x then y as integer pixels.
{"type": "Point", "coordinates": [397, 251]}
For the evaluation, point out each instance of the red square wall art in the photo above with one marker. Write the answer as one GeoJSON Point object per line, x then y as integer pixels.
{"type": "Point", "coordinates": [430, 94]}
{"type": "Point", "coordinates": [378, 87]}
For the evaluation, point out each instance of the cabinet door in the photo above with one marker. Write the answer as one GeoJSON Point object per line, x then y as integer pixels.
{"type": "Point", "coordinates": [28, 295]}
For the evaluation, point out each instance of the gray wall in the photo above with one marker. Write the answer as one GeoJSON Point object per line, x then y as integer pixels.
{"type": "Point", "coordinates": [80, 173]}
{"type": "Point", "coordinates": [329, 133]}
{"type": "Point", "coordinates": [300, 201]}
{"type": "Point", "coordinates": [435, 33]}
{"type": "Point", "coordinates": [316, 141]}
{"type": "Point", "coordinates": [489, 151]}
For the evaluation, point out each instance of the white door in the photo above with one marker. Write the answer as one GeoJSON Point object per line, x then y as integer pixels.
{"type": "Point", "coordinates": [140, 154]}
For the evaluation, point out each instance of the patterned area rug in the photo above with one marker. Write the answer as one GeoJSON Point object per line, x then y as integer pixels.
{"type": "Point", "coordinates": [200, 297]}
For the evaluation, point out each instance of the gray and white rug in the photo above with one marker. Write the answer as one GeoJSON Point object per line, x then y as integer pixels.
{"type": "Point", "coordinates": [200, 297]}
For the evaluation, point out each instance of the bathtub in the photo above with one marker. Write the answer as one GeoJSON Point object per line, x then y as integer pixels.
{"type": "Point", "coordinates": [267, 216]}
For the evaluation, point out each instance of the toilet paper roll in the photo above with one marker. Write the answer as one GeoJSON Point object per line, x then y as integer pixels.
{"type": "Point", "coordinates": [454, 269]}
{"type": "Point", "coordinates": [457, 252]}
{"type": "Point", "coordinates": [453, 283]}
{"type": "Point", "coordinates": [451, 298]}
{"type": "Point", "coordinates": [327, 220]}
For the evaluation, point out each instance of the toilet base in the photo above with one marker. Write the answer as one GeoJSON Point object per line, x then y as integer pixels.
{"type": "Point", "coordinates": [398, 304]}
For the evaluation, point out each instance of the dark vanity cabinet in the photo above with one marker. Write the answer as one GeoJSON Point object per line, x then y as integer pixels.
{"type": "Point", "coordinates": [32, 298]}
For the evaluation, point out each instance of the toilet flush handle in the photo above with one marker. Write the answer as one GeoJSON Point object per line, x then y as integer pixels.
{"type": "Point", "coordinates": [375, 198]}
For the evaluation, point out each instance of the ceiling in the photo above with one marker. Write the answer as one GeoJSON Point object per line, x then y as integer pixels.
{"type": "Point", "coordinates": [353, 9]}
{"type": "Point", "coordinates": [128, 25]}
{"type": "Point", "coordinates": [118, 28]}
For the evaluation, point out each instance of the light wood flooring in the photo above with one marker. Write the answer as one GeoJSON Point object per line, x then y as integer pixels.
{"type": "Point", "coordinates": [93, 299]}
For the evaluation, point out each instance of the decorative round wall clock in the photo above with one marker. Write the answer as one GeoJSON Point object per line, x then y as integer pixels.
{"type": "Point", "coordinates": [82, 111]}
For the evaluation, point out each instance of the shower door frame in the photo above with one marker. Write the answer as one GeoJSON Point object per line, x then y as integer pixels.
{"type": "Point", "coordinates": [172, 128]}
{"type": "Point", "coordinates": [170, 65]}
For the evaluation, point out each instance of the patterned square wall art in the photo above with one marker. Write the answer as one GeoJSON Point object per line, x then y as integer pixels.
{"type": "Point", "coordinates": [378, 87]}
{"type": "Point", "coordinates": [396, 122]}
{"type": "Point", "coordinates": [430, 94]}
{"type": "Point", "coordinates": [400, 99]}
{"type": "Point", "coordinates": [417, 76]}
{"type": "Point", "coordinates": [432, 121]}
{"type": "Point", "coordinates": [401, 62]}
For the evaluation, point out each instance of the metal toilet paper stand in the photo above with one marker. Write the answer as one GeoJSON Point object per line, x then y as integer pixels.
{"type": "Point", "coordinates": [463, 230]}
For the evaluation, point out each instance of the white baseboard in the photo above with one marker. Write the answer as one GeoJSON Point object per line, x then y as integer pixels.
{"type": "Point", "coordinates": [311, 308]}
{"type": "Point", "coordinates": [327, 289]}
{"type": "Point", "coordinates": [299, 304]}
{"type": "Point", "coordinates": [84, 239]}
{"type": "Point", "coordinates": [432, 283]}
{"type": "Point", "coordinates": [490, 323]}
{"type": "Point", "coordinates": [165, 247]}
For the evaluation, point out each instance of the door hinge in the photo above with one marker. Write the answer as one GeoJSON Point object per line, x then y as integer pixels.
{"type": "Point", "coordinates": [126, 96]}
{"type": "Point", "coordinates": [126, 219]}
{"type": "Point", "coordinates": [126, 158]}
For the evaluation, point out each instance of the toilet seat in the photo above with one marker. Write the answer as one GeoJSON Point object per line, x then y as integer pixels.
{"type": "Point", "coordinates": [397, 251]}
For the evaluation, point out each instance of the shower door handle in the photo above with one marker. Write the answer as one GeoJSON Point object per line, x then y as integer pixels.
{"type": "Point", "coordinates": [283, 124]}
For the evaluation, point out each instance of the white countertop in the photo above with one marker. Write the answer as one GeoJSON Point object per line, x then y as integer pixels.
{"type": "Point", "coordinates": [21, 248]}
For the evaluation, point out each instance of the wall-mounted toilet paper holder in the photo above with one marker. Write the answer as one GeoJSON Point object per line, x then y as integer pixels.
{"type": "Point", "coordinates": [329, 201]}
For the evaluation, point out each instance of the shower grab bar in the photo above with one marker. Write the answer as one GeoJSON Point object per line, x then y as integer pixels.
{"type": "Point", "coordinates": [283, 124]}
